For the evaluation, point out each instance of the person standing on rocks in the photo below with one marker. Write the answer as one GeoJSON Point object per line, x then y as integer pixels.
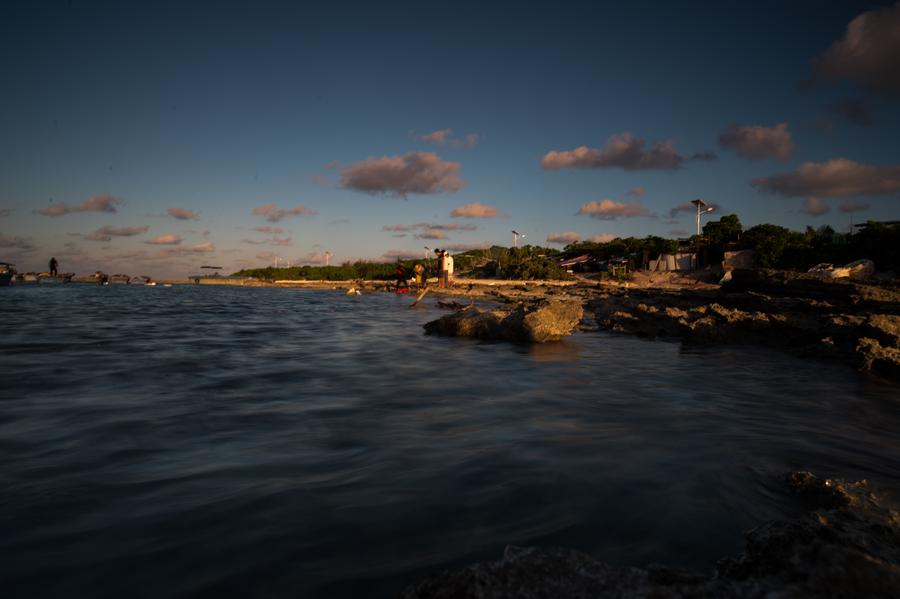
{"type": "Point", "coordinates": [449, 265]}
{"type": "Point", "coordinates": [400, 273]}
{"type": "Point", "coordinates": [442, 268]}
{"type": "Point", "coordinates": [419, 271]}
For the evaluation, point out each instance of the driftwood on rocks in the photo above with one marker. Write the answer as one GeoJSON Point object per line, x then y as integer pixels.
{"type": "Point", "coordinates": [848, 545]}
{"type": "Point", "coordinates": [536, 322]}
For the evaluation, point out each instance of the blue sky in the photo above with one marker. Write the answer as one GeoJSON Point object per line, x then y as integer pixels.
{"type": "Point", "coordinates": [226, 109]}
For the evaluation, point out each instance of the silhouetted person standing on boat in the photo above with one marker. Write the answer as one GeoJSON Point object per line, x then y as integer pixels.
{"type": "Point", "coordinates": [53, 264]}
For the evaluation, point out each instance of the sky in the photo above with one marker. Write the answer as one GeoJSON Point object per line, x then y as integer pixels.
{"type": "Point", "coordinates": [153, 138]}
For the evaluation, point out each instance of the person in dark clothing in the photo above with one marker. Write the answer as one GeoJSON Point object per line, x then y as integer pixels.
{"type": "Point", "coordinates": [401, 276]}
{"type": "Point", "coordinates": [53, 264]}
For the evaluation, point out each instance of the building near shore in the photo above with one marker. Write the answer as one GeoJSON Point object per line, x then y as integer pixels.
{"type": "Point", "coordinates": [682, 261]}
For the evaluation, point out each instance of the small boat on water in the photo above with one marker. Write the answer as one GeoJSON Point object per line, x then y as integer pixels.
{"type": "Point", "coordinates": [7, 274]}
{"type": "Point", "coordinates": [27, 278]}
{"type": "Point", "coordinates": [119, 279]}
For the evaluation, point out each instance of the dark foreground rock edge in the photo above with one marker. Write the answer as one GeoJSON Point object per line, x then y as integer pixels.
{"type": "Point", "coordinates": [847, 545]}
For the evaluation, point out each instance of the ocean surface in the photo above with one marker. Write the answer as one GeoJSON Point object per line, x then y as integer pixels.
{"type": "Point", "coordinates": [198, 441]}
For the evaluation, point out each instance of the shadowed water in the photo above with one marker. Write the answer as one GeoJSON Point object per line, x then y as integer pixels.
{"type": "Point", "coordinates": [219, 441]}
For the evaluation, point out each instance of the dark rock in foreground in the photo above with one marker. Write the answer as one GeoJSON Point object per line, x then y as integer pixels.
{"type": "Point", "coordinates": [536, 322]}
{"type": "Point", "coordinates": [848, 546]}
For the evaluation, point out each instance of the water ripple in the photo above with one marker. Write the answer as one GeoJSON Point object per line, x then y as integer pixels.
{"type": "Point", "coordinates": [192, 441]}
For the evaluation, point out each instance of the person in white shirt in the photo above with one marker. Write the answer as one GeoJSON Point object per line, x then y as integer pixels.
{"type": "Point", "coordinates": [449, 266]}
{"type": "Point", "coordinates": [442, 267]}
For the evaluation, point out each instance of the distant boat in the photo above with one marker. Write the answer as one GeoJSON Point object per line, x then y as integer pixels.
{"type": "Point", "coordinates": [28, 277]}
{"type": "Point", "coordinates": [142, 280]}
{"type": "Point", "coordinates": [7, 273]}
{"type": "Point", "coordinates": [119, 279]}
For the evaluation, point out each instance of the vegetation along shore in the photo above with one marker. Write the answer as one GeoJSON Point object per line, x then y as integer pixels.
{"type": "Point", "coordinates": [524, 294]}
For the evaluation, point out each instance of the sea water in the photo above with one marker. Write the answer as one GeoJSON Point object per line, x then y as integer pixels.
{"type": "Point", "coordinates": [257, 442]}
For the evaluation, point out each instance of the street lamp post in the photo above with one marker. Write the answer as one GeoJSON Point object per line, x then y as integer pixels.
{"type": "Point", "coordinates": [701, 209]}
{"type": "Point", "coordinates": [328, 256]}
{"type": "Point", "coordinates": [516, 236]}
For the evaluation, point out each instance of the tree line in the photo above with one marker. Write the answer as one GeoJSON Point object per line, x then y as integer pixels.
{"type": "Point", "coordinates": [773, 247]}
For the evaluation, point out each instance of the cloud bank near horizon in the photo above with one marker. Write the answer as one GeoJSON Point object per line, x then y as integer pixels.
{"type": "Point", "coordinates": [836, 178]}
{"type": "Point", "coordinates": [102, 203]}
{"type": "Point", "coordinates": [274, 214]}
{"type": "Point", "coordinates": [106, 233]}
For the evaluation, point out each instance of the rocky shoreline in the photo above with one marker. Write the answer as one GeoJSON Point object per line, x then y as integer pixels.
{"type": "Point", "coordinates": [852, 322]}
{"type": "Point", "coordinates": [847, 545]}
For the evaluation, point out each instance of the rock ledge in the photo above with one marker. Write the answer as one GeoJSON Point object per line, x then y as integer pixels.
{"type": "Point", "coordinates": [847, 546]}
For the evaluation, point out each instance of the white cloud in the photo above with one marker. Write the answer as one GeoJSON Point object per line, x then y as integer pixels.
{"type": "Point", "coordinates": [474, 210]}
{"type": "Point", "coordinates": [836, 178]}
{"type": "Point", "coordinates": [757, 142]}
{"type": "Point", "coordinates": [867, 54]}
{"type": "Point", "coordinates": [564, 238]}
{"type": "Point", "coordinates": [168, 239]}
{"type": "Point", "coordinates": [275, 214]}
{"type": "Point", "coordinates": [415, 172]}
{"type": "Point", "coordinates": [182, 214]}
{"type": "Point", "coordinates": [815, 207]}
{"type": "Point", "coordinates": [607, 209]}
{"type": "Point", "coordinates": [622, 151]}
{"type": "Point", "coordinates": [106, 233]}
{"type": "Point", "coordinates": [101, 203]}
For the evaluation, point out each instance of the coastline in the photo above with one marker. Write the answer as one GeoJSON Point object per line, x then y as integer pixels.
{"type": "Point", "coordinates": [855, 322]}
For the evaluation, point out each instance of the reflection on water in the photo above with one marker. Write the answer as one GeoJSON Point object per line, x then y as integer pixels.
{"type": "Point", "coordinates": [267, 442]}
{"type": "Point", "coordinates": [564, 351]}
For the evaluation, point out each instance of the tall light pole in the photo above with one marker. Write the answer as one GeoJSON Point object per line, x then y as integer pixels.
{"type": "Point", "coordinates": [701, 209]}
{"type": "Point", "coordinates": [516, 236]}
{"type": "Point", "coordinates": [427, 250]}
{"type": "Point", "coordinates": [328, 256]}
